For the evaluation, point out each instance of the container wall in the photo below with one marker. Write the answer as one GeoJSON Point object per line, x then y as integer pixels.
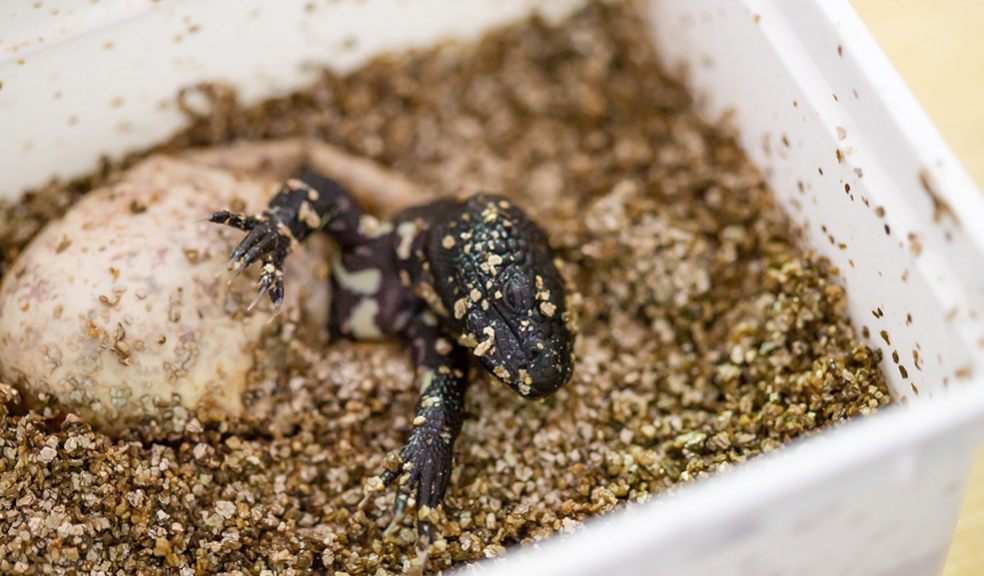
{"type": "Point", "coordinates": [81, 80]}
{"type": "Point", "coordinates": [857, 164]}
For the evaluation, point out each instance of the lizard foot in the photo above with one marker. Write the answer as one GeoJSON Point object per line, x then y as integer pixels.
{"type": "Point", "coordinates": [424, 474]}
{"type": "Point", "coordinates": [267, 239]}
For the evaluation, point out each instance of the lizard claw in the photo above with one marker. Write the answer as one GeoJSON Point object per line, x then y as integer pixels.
{"type": "Point", "coordinates": [264, 287]}
{"type": "Point", "coordinates": [272, 283]}
{"type": "Point", "coordinates": [399, 510]}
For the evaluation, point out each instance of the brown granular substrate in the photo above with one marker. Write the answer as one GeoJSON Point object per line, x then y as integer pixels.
{"type": "Point", "coordinates": [707, 336]}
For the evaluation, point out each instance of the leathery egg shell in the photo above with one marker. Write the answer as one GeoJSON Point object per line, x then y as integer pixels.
{"type": "Point", "coordinates": [121, 308]}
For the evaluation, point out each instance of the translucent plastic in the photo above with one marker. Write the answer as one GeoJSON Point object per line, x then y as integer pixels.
{"type": "Point", "coordinates": [817, 106]}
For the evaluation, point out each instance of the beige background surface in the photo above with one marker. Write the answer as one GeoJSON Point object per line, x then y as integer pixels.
{"type": "Point", "coordinates": [938, 47]}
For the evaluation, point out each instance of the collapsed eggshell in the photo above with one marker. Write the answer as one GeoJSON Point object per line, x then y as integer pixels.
{"type": "Point", "coordinates": [123, 304]}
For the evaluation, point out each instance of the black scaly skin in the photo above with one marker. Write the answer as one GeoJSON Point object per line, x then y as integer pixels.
{"type": "Point", "coordinates": [456, 279]}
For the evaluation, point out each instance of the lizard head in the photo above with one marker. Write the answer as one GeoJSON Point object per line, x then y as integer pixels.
{"type": "Point", "coordinates": [506, 300]}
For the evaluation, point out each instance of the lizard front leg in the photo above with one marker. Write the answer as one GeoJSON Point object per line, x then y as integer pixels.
{"type": "Point", "coordinates": [305, 204]}
{"type": "Point", "coordinates": [442, 374]}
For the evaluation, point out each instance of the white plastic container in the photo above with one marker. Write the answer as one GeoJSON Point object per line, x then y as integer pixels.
{"type": "Point", "coordinates": [817, 106]}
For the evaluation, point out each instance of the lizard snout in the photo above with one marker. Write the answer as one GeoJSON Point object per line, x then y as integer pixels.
{"type": "Point", "coordinates": [543, 372]}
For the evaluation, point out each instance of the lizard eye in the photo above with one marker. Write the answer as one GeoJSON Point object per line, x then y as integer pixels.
{"type": "Point", "coordinates": [516, 295]}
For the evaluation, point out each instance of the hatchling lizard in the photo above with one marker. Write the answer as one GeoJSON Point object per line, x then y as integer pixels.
{"type": "Point", "coordinates": [462, 281]}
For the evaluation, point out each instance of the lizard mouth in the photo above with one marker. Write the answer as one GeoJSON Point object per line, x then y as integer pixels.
{"type": "Point", "coordinates": [544, 373]}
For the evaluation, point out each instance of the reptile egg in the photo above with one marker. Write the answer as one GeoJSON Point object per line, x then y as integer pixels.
{"type": "Point", "coordinates": [122, 307]}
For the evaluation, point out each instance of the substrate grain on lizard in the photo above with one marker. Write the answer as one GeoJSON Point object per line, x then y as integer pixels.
{"type": "Point", "coordinates": [706, 336]}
